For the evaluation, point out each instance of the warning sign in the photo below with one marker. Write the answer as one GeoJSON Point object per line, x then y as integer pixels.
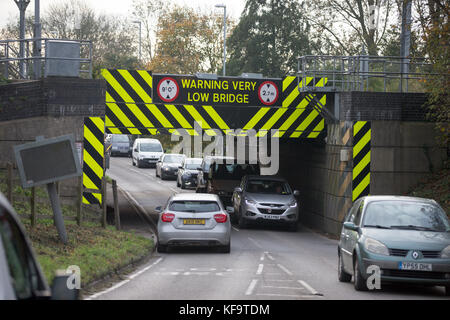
{"type": "Point", "coordinates": [168, 89]}
{"type": "Point", "coordinates": [231, 91]}
{"type": "Point", "coordinates": [268, 93]}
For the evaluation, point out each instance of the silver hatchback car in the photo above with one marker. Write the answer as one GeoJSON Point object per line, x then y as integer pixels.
{"type": "Point", "coordinates": [265, 199]}
{"type": "Point", "coordinates": [194, 219]}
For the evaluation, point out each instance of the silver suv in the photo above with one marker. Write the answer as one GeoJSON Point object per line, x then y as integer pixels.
{"type": "Point", "coordinates": [265, 199]}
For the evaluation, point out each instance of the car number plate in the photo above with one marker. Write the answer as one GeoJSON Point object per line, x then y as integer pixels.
{"type": "Point", "coordinates": [415, 266]}
{"type": "Point", "coordinates": [271, 217]}
{"type": "Point", "coordinates": [194, 221]}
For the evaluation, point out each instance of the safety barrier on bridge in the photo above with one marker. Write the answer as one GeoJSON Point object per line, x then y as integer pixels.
{"type": "Point", "coordinates": [131, 109]}
{"type": "Point", "coordinates": [361, 159]}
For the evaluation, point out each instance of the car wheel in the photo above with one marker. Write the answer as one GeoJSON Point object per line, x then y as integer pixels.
{"type": "Point", "coordinates": [342, 275]}
{"type": "Point", "coordinates": [242, 222]}
{"type": "Point", "coordinates": [360, 282]}
{"type": "Point", "coordinates": [183, 185]}
{"type": "Point", "coordinates": [138, 163]}
{"type": "Point", "coordinates": [447, 291]}
{"type": "Point", "coordinates": [178, 183]}
{"type": "Point", "coordinates": [156, 172]}
{"type": "Point", "coordinates": [132, 162]}
{"type": "Point", "coordinates": [162, 248]}
{"type": "Point", "coordinates": [162, 176]}
{"type": "Point", "coordinates": [225, 249]}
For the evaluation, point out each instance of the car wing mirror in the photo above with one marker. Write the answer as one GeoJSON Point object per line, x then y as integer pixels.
{"type": "Point", "coordinates": [230, 210]}
{"type": "Point", "coordinates": [350, 226]}
{"type": "Point", "coordinates": [238, 189]}
{"type": "Point", "coordinates": [65, 286]}
{"type": "Point", "coordinates": [296, 193]}
{"type": "Point", "coordinates": [158, 208]}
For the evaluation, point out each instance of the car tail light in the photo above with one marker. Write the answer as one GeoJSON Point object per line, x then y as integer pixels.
{"type": "Point", "coordinates": [220, 218]}
{"type": "Point", "coordinates": [167, 217]}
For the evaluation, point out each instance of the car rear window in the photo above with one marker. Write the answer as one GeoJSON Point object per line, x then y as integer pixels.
{"type": "Point", "coordinates": [194, 206]}
{"type": "Point", "coordinates": [150, 147]}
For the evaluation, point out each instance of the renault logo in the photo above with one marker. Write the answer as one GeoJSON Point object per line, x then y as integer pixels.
{"type": "Point", "coordinates": [415, 255]}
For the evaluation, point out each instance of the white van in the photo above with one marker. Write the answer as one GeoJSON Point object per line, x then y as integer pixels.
{"type": "Point", "coordinates": [146, 152]}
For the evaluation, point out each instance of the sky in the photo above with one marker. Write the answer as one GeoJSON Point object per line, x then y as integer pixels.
{"type": "Point", "coordinates": [8, 8]}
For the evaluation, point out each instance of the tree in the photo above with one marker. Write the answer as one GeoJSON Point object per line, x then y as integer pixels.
{"type": "Point", "coordinates": [187, 42]}
{"type": "Point", "coordinates": [434, 23]}
{"type": "Point", "coordinates": [268, 38]}
{"type": "Point", "coordinates": [348, 24]}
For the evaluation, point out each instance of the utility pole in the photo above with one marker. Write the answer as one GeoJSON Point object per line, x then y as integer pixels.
{"type": "Point", "coordinates": [140, 38]}
{"type": "Point", "coordinates": [22, 5]}
{"type": "Point", "coordinates": [405, 42]}
{"type": "Point", "coordinates": [224, 35]}
{"type": "Point", "coordinates": [37, 40]}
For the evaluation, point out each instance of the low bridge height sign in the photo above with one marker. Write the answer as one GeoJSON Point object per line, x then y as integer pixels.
{"type": "Point", "coordinates": [180, 89]}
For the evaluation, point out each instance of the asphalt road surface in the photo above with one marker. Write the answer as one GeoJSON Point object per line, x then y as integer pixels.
{"type": "Point", "coordinates": [264, 263]}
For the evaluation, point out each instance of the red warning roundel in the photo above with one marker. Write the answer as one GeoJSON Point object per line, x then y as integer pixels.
{"type": "Point", "coordinates": [168, 89]}
{"type": "Point", "coordinates": [268, 93]}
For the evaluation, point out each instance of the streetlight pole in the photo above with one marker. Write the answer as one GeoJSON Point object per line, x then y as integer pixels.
{"type": "Point", "coordinates": [22, 5]}
{"type": "Point", "coordinates": [224, 35]}
{"type": "Point", "coordinates": [140, 38]}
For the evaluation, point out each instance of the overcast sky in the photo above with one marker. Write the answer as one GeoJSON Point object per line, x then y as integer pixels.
{"type": "Point", "coordinates": [9, 10]}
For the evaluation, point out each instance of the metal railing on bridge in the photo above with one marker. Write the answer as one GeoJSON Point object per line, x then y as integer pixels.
{"type": "Point", "coordinates": [35, 63]}
{"type": "Point", "coordinates": [364, 73]}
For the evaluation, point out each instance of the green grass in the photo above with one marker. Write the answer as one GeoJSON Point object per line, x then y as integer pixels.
{"type": "Point", "coordinates": [97, 251]}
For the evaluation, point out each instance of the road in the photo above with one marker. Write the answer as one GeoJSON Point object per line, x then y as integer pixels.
{"type": "Point", "coordinates": [264, 263]}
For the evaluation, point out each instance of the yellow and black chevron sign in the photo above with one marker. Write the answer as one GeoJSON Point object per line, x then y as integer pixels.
{"type": "Point", "coordinates": [130, 111]}
{"type": "Point", "coordinates": [361, 159]}
{"type": "Point", "coordinates": [93, 153]}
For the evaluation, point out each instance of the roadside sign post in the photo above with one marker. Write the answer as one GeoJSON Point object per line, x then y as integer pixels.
{"type": "Point", "coordinates": [46, 162]}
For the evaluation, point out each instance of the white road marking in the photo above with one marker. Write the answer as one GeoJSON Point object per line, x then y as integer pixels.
{"type": "Point", "coordinates": [236, 229]}
{"type": "Point", "coordinates": [309, 288]}
{"type": "Point", "coordinates": [284, 295]}
{"type": "Point", "coordinates": [270, 257]}
{"type": "Point", "coordinates": [285, 269]}
{"type": "Point", "coordinates": [129, 278]}
{"type": "Point", "coordinates": [255, 242]}
{"type": "Point", "coordinates": [260, 269]}
{"type": "Point", "coordinates": [275, 287]}
{"type": "Point", "coordinates": [262, 257]}
{"type": "Point", "coordinates": [251, 287]}
{"type": "Point", "coordinates": [278, 280]}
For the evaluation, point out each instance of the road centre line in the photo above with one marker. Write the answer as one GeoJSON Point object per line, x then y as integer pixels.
{"type": "Point", "coordinates": [236, 229]}
{"type": "Point", "coordinates": [255, 242]}
{"type": "Point", "coordinates": [275, 287]}
{"type": "Point", "coordinates": [260, 269]}
{"type": "Point", "coordinates": [284, 295]}
{"type": "Point", "coordinates": [251, 287]}
{"type": "Point", "coordinates": [129, 278]}
{"type": "Point", "coordinates": [285, 269]}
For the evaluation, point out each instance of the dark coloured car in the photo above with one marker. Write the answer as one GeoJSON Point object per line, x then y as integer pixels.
{"type": "Point", "coordinates": [167, 166]}
{"type": "Point", "coordinates": [187, 173]}
{"type": "Point", "coordinates": [120, 145]}
{"type": "Point", "coordinates": [407, 238]}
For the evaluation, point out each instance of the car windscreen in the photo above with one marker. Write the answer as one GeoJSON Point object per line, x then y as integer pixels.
{"type": "Point", "coordinates": [120, 138]}
{"type": "Point", "coordinates": [233, 171]}
{"type": "Point", "coordinates": [194, 206]}
{"type": "Point", "coordinates": [268, 187]}
{"type": "Point", "coordinates": [150, 147]}
{"type": "Point", "coordinates": [173, 158]}
{"type": "Point", "coordinates": [411, 215]}
{"type": "Point", "coordinates": [192, 164]}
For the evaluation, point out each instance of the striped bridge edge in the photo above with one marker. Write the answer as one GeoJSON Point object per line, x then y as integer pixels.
{"type": "Point", "coordinates": [361, 159]}
{"type": "Point", "coordinates": [93, 155]}
{"type": "Point", "coordinates": [130, 111]}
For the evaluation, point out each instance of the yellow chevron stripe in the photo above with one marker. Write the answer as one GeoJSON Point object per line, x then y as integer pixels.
{"type": "Point", "coordinates": [316, 131]}
{"type": "Point", "coordinates": [364, 140]}
{"type": "Point", "coordinates": [217, 118]}
{"type": "Point", "coordinates": [269, 123]}
{"type": "Point", "coordinates": [360, 188]}
{"type": "Point", "coordinates": [197, 117]}
{"type": "Point", "coordinates": [294, 116]}
{"type": "Point", "coordinates": [87, 158]}
{"type": "Point", "coordinates": [287, 81]}
{"type": "Point", "coordinates": [123, 118]}
{"type": "Point", "coordinates": [302, 126]}
{"type": "Point", "coordinates": [147, 78]}
{"type": "Point", "coordinates": [87, 182]}
{"type": "Point", "coordinates": [98, 121]}
{"type": "Point", "coordinates": [114, 130]}
{"type": "Point", "coordinates": [254, 120]}
{"type": "Point", "coordinates": [358, 126]}
{"type": "Point", "coordinates": [93, 140]}
{"type": "Point", "coordinates": [181, 119]}
{"type": "Point", "coordinates": [361, 165]}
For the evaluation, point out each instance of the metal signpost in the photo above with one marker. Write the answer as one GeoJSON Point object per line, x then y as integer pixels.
{"type": "Point", "coordinates": [47, 161]}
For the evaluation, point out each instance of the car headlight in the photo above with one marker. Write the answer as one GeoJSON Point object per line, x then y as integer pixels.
{"type": "Point", "coordinates": [166, 168]}
{"type": "Point", "coordinates": [141, 157]}
{"type": "Point", "coordinates": [446, 253]}
{"type": "Point", "coordinates": [375, 246]}
{"type": "Point", "coordinates": [249, 201]}
{"type": "Point", "coordinates": [293, 203]}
